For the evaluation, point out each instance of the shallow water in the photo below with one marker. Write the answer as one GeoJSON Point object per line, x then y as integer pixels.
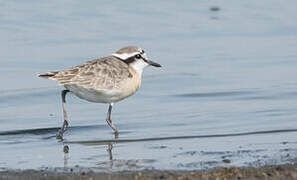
{"type": "Point", "coordinates": [226, 94]}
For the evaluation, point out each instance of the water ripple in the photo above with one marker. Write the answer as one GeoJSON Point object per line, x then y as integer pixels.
{"type": "Point", "coordinates": [182, 137]}
{"type": "Point", "coordinates": [215, 94]}
{"type": "Point", "coordinates": [51, 130]}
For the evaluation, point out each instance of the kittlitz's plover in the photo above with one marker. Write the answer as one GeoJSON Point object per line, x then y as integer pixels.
{"type": "Point", "coordinates": [105, 80]}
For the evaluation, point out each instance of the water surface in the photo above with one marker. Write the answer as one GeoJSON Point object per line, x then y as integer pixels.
{"type": "Point", "coordinates": [226, 94]}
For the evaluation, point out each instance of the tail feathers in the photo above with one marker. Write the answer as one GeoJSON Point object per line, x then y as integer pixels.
{"type": "Point", "coordinates": [48, 75]}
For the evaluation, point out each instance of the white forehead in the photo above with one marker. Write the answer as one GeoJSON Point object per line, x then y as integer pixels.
{"type": "Point", "coordinates": [127, 52]}
{"type": "Point", "coordinates": [125, 56]}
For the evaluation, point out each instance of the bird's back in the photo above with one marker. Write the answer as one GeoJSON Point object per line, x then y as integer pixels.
{"type": "Point", "coordinates": [106, 73]}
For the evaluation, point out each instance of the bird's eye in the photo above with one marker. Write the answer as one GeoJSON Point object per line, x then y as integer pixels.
{"type": "Point", "coordinates": [137, 56]}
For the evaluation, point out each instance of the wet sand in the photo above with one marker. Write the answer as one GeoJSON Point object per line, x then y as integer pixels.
{"type": "Point", "coordinates": [266, 172]}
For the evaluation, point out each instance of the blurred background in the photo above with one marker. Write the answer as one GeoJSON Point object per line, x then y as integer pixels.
{"type": "Point", "coordinates": [229, 67]}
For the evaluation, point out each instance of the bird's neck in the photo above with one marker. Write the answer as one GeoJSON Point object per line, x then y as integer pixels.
{"type": "Point", "coordinates": [137, 67]}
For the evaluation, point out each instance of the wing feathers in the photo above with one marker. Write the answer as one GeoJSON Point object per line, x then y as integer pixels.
{"type": "Point", "coordinates": [105, 73]}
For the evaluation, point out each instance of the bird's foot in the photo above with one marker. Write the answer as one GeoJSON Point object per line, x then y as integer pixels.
{"type": "Point", "coordinates": [116, 134]}
{"type": "Point", "coordinates": [62, 130]}
{"type": "Point", "coordinates": [60, 134]}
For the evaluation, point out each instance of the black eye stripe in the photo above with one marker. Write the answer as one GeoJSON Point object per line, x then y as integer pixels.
{"type": "Point", "coordinates": [138, 56]}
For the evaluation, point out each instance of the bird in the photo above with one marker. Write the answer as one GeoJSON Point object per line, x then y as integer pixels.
{"type": "Point", "coordinates": [105, 80]}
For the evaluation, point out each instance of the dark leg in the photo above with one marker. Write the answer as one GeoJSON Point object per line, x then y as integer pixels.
{"type": "Point", "coordinates": [108, 120]}
{"type": "Point", "coordinates": [65, 124]}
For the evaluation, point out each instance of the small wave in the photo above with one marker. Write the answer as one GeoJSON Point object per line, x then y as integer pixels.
{"type": "Point", "coordinates": [181, 137]}
{"type": "Point", "coordinates": [40, 131]}
{"type": "Point", "coordinates": [216, 94]}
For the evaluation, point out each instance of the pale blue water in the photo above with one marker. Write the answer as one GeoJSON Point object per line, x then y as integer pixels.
{"type": "Point", "coordinates": [227, 89]}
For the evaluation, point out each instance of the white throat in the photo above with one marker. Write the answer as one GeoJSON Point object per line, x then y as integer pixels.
{"type": "Point", "coordinates": [138, 66]}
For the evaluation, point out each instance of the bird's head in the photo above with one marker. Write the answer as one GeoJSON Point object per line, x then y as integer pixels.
{"type": "Point", "coordinates": [135, 57]}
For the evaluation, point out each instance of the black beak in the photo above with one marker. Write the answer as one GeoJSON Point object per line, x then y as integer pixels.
{"type": "Point", "coordinates": [152, 63]}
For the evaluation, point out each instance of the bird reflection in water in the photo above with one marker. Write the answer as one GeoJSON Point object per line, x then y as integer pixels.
{"type": "Point", "coordinates": [66, 155]}
{"type": "Point", "coordinates": [109, 150]}
{"type": "Point", "coordinates": [66, 150]}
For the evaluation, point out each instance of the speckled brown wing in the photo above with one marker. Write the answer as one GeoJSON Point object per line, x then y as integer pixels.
{"type": "Point", "coordinates": [99, 74]}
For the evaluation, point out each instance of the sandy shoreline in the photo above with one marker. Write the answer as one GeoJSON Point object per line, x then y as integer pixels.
{"type": "Point", "coordinates": [266, 172]}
